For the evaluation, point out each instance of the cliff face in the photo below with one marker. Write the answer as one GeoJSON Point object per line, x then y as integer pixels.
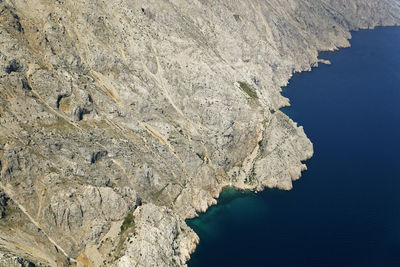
{"type": "Point", "coordinates": [120, 119]}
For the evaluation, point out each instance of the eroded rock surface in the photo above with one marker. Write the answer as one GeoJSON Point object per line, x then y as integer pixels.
{"type": "Point", "coordinates": [119, 119]}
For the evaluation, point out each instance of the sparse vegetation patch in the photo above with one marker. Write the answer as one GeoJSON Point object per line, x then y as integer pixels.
{"type": "Point", "coordinates": [248, 90]}
{"type": "Point", "coordinates": [128, 222]}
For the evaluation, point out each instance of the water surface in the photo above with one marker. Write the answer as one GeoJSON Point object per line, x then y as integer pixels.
{"type": "Point", "coordinates": [345, 210]}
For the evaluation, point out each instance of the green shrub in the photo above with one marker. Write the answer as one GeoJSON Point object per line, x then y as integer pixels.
{"type": "Point", "coordinates": [128, 222]}
{"type": "Point", "coordinates": [248, 90]}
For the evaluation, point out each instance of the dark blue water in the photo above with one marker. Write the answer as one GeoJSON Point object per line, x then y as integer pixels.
{"type": "Point", "coordinates": [345, 210]}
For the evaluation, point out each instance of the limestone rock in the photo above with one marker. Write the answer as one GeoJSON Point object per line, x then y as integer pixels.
{"type": "Point", "coordinates": [155, 225]}
{"type": "Point", "coordinates": [119, 119]}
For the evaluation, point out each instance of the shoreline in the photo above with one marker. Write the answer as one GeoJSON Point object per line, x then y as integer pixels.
{"type": "Point", "coordinates": [234, 190]}
{"type": "Point", "coordinates": [119, 121]}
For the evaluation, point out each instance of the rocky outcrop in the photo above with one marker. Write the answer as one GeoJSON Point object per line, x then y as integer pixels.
{"type": "Point", "coordinates": [120, 119]}
{"type": "Point", "coordinates": [9, 260]}
{"type": "Point", "coordinates": [3, 204]}
{"type": "Point", "coordinates": [154, 225]}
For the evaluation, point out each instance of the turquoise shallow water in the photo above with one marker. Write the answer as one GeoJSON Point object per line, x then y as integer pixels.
{"type": "Point", "coordinates": [345, 210]}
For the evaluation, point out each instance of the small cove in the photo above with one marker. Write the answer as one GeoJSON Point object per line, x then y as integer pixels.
{"type": "Point", "coordinates": [345, 210]}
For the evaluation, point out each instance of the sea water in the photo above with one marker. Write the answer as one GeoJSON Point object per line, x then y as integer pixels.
{"type": "Point", "coordinates": [345, 210]}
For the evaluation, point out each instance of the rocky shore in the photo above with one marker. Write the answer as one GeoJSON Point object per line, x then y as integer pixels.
{"type": "Point", "coordinates": [121, 119]}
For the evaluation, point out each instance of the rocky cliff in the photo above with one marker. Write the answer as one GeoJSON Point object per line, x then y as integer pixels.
{"type": "Point", "coordinates": [120, 119]}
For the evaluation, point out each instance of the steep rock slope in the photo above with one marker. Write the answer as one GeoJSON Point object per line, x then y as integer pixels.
{"type": "Point", "coordinates": [120, 119]}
